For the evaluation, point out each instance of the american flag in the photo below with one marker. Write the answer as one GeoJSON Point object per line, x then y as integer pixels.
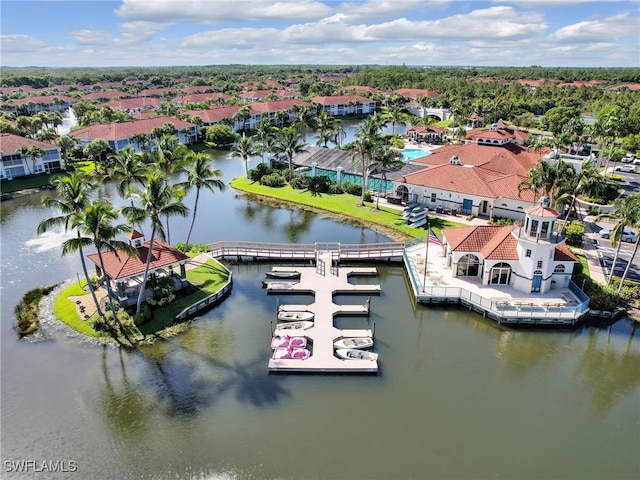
{"type": "Point", "coordinates": [433, 238]}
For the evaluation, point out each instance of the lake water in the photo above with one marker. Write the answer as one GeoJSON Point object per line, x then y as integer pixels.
{"type": "Point", "coordinates": [457, 397]}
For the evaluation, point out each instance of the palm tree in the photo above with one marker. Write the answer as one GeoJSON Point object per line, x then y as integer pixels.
{"type": "Point", "coordinates": [339, 134]}
{"type": "Point", "coordinates": [626, 212]}
{"type": "Point", "coordinates": [67, 144]}
{"type": "Point", "coordinates": [127, 169]}
{"type": "Point", "coordinates": [157, 200]}
{"type": "Point", "coordinates": [588, 181]}
{"type": "Point", "coordinates": [34, 152]}
{"type": "Point", "coordinates": [72, 197]}
{"type": "Point", "coordinates": [265, 133]}
{"type": "Point", "coordinates": [385, 159]}
{"type": "Point", "coordinates": [395, 115]}
{"type": "Point", "coordinates": [200, 174]}
{"type": "Point", "coordinates": [169, 159]}
{"type": "Point", "coordinates": [363, 147]}
{"type": "Point", "coordinates": [244, 148]}
{"type": "Point", "coordinates": [305, 118]}
{"type": "Point", "coordinates": [324, 123]}
{"type": "Point", "coordinates": [97, 150]}
{"type": "Point", "coordinates": [288, 142]}
{"type": "Point", "coordinates": [96, 223]}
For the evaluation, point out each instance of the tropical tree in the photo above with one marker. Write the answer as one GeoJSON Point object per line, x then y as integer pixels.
{"type": "Point", "coordinates": [34, 152]}
{"type": "Point", "coordinates": [589, 180]}
{"type": "Point", "coordinates": [265, 133]}
{"type": "Point", "coordinates": [127, 168]}
{"type": "Point", "coordinates": [244, 148]}
{"type": "Point", "coordinates": [339, 133]}
{"type": "Point", "coordinates": [72, 197]}
{"type": "Point", "coordinates": [548, 178]}
{"type": "Point", "coordinates": [200, 174]}
{"type": "Point", "coordinates": [385, 159]}
{"type": "Point", "coordinates": [96, 223]}
{"type": "Point", "coordinates": [324, 123]}
{"type": "Point", "coordinates": [97, 150]}
{"type": "Point", "coordinates": [288, 142]}
{"type": "Point", "coordinates": [363, 147]}
{"type": "Point", "coordinates": [305, 118]}
{"type": "Point", "coordinates": [625, 213]}
{"type": "Point", "coordinates": [157, 200]}
{"type": "Point", "coordinates": [67, 144]}
{"type": "Point", "coordinates": [395, 115]}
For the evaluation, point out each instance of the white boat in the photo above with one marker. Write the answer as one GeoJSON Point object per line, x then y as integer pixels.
{"type": "Point", "coordinates": [288, 342]}
{"type": "Point", "coordinates": [283, 327]}
{"type": "Point", "coordinates": [283, 274]}
{"type": "Point", "coordinates": [418, 214]}
{"type": "Point", "coordinates": [295, 316]}
{"type": "Point", "coordinates": [419, 223]}
{"type": "Point", "coordinates": [278, 285]}
{"type": "Point", "coordinates": [354, 354]}
{"type": "Point", "coordinates": [354, 342]}
{"type": "Point", "coordinates": [291, 353]}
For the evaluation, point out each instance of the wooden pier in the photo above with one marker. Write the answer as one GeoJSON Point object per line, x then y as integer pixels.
{"type": "Point", "coordinates": [324, 280]}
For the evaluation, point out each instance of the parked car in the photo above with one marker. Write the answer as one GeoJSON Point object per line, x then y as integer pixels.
{"type": "Point", "coordinates": [627, 236]}
{"type": "Point", "coordinates": [626, 168]}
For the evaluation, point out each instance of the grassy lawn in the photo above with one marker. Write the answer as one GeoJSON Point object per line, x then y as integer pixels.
{"type": "Point", "coordinates": [65, 310]}
{"type": "Point", "coordinates": [345, 205]}
{"type": "Point", "coordinates": [210, 277]}
{"type": "Point", "coordinates": [583, 260]}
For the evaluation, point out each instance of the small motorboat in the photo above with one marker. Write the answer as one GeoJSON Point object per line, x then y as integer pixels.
{"type": "Point", "coordinates": [283, 274]}
{"type": "Point", "coordinates": [354, 342]}
{"type": "Point", "coordinates": [288, 342]}
{"type": "Point", "coordinates": [291, 353]}
{"type": "Point", "coordinates": [295, 316]}
{"type": "Point", "coordinates": [278, 284]}
{"type": "Point", "coordinates": [283, 327]}
{"type": "Point", "coordinates": [355, 354]}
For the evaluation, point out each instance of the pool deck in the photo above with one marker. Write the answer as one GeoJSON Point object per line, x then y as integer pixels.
{"type": "Point", "coordinates": [325, 280]}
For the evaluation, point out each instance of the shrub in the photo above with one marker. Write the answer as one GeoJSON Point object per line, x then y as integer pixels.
{"type": "Point", "coordinates": [335, 189]}
{"type": "Point", "coordinates": [501, 221]}
{"type": "Point", "coordinates": [575, 233]}
{"type": "Point", "coordinates": [192, 247]}
{"type": "Point", "coordinates": [367, 196]}
{"type": "Point", "coordinates": [319, 184]}
{"type": "Point", "coordinates": [273, 180]}
{"type": "Point", "coordinates": [260, 170]}
{"type": "Point", "coordinates": [300, 181]}
{"type": "Point", "coordinates": [352, 188]}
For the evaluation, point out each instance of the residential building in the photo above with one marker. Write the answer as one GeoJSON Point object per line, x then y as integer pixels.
{"type": "Point", "coordinates": [15, 164]}
{"type": "Point", "coordinates": [340, 105]}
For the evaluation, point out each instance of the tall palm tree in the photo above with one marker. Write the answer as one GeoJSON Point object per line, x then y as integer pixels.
{"type": "Point", "coordinates": [72, 197]}
{"type": "Point", "coordinates": [96, 223]}
{"type": "Point", "coordinates": [265, 133]}
{"type": "Point", "coordinates": [157, 200]}
{"type": "Point", "coordinates": [324, 123]}
{"type": "Point", "coordinates": [385, 159]}
{"type": "Point", "coordinates": [67, 144]}
{"type": "Point", "coordinates": [363, 147]}
{"type": "Point", "coordinates": [589, 180]}
{"type": "Point", "coordinates": [289, 142]}
{"type": "Point", "coordinates": [244, 148]}
{"type": "Point", "coordinates": [97, 150]}
{"type": "Point", "coordinates": [127, 168]}
{"type": "Point", "coordinates": [339, 133]}
{"type": "Point", "coordinates": [169, 159]}
{"type": "Point", "coordinates": [305, 118]}
{"type": "Point", "coordinates": [395, 115]}
{"type": "Point", "coordinates": [34, 152]}
{"type": "Point", "coordinates": [626, 212]}
{"type": "Point", "coordinates": [200, 174]}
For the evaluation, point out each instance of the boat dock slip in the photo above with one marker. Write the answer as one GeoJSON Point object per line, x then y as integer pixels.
{"type": "Point", "coordinates": [324, 280]}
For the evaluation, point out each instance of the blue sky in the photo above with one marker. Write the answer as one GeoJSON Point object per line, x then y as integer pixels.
{"type": "Point", "coordinates": [94, 33]}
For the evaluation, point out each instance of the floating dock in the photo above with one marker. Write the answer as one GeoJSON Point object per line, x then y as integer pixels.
{"type": "Point", "coordinates": [324, 280]}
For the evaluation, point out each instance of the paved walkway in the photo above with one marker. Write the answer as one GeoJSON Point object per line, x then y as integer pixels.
{"type": "Point", "coordinates": [591, 252]}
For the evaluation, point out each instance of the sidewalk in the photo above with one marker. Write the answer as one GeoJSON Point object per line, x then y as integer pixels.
{"type": "Point", "coordinates": [591, 252]}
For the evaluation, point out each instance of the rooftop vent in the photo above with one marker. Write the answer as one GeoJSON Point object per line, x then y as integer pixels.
{"type": "Point", "coordinates": [454, 160]}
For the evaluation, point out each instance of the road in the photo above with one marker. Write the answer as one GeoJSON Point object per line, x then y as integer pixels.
{"type": "Point", "coordinates": [606, 253]}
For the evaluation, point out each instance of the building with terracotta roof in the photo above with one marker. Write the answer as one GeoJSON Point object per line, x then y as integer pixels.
{"type": "Point", "coordinates": [119, 135]}
{"type": "Point", "coordinates": [415, 93]}
{"type": "Point", "coordinates": [127, 271]}
{"type": "Point", "coordinates": [427, 133]}
{"type": "Point", "coordinates": [340, 105]}
{"type": "Point", "coordinates": [498, 134]}
{"type": "Point", "coordinates": [34, 104]}
{"type": "Point", "coordinates": [15, 164]}
{"type": "Point", "coordinates": [133, 106]}
{"type": "Point", "coordinates": [213, 97]}
{"type": "Point", "coordinates": [479, 179]}
{"type": "Point", "coordinates": [530, 257]}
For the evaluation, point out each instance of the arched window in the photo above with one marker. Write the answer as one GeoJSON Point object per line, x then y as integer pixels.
{"type": "Point", "coordinates": [468, 266]}
{"type": "Point", "coordinates": [500, 274]}
{"type": "Point", "coordinates": [559, 269]}
{"type": "Point", "coordinates": [403, 193]}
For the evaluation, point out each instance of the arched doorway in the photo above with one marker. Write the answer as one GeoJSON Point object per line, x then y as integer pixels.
{"type": "Point", "coordinates": [500, 274]}
{"type": "Point", "coordinates": [468, 266]}
{"type": "Point", "coordinates": [403, 193]}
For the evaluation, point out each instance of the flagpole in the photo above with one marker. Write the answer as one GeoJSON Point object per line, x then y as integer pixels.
{"type": "Point", "coordinates": [426, 261]}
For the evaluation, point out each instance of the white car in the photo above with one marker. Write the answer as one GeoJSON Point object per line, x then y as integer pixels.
{"type": "Point", "coordinates": [627, 236]}
{"type": "Point", "coordinates": [626, 168]}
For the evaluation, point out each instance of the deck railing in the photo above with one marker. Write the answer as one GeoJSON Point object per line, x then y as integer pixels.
{"type": "Point", "coordinates": [501, 309]}
{"type": "Point", "coordinates": [205, 303]}
{"type": "Point", "coordinates": [295, 251]}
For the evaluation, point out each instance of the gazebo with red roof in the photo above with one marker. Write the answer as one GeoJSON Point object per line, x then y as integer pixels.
{"type": "Point", "coordinates": [127, 271]}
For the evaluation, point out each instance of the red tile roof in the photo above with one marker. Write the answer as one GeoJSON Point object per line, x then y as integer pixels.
{"type": "Point", "coordinates": [563, 254]}
{"type": "Point", "coordinates": [340, 99]}
{"type": "Point", "coordinates": [133, 103]}
{"type": "Point", "coordinates": [10, 143]}
{"type": "Point", "coordinates": [42, 99]}
{"type": "Point", "coordinates": [105, 94]}
{"type": "Point", "coordinates": [163, 255]}
{"type": "Point", "coordinates": [539, 211]}
{"type": "Point", "coordinates": [491, 241]}
{"type": "Point", "coordinates": [123, 130]}
{"type": "Point", "coordinates": [434, 129]}
{"type": "Point", "coordinates": [214, 114]}
{"type": "Point", "coordinates": [276, 106]}
{"type": "Point", "coordinates": [416, 92]}
{"type": "Point", "coordinates": [202, 97]}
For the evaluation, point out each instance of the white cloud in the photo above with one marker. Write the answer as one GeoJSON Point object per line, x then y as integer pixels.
{"type": "Point", "coordinates": [20, 43]}
{"type": "Point", "coordinates": [214, 11]}
{"type": "Point", "coordinates": [141, 31]}
{"type": "Point", "coordinates": [91, 37]}
{"type": "Point", "coordinates": [230, 38]}
{"type": "Point", "coordinates": [612, 28]}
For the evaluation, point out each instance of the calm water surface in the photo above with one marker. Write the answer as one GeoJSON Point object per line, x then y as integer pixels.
{"type": "Point", "coordinates": [457, 397]}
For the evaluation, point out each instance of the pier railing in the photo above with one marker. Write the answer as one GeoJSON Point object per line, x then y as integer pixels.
{"type": "Point", "coordinates": [205, 303]}
{"type": "Point", "coordinates": [295, 251]}
{"type": "Point", "coordinates": [503, 310]}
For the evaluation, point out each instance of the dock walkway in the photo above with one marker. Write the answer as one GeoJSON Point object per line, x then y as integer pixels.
{"type": "Point", "coordinates": [324, 280]}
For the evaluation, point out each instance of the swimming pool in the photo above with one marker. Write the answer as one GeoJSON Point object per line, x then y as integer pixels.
{"type": "Point", "coordinates": [409, 154]}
